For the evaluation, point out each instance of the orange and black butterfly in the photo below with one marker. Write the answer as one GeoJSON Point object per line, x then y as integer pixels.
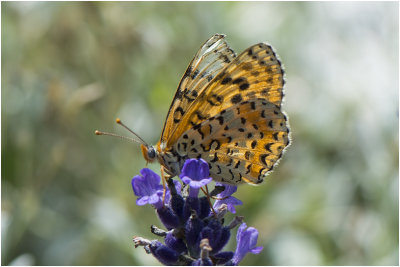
{"type": "Point", "coordinates": [227, 111]}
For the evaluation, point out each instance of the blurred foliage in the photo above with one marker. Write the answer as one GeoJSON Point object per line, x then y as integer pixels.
{"type": "Point", "coordinates": [69, 68]}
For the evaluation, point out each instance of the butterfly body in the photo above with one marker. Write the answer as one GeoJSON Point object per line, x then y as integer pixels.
{"type": "Point", "coordinates": [227, 110]}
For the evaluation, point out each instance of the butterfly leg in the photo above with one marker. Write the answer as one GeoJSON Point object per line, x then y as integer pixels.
{"type": "Point", "coordinates": [220, 198]}
{"type": "Point", "coordinates": [217, 190]}
{"type": "Point", "coordinates": [205, 191]}
{"type": "Point", "coordinates": [163, 178]}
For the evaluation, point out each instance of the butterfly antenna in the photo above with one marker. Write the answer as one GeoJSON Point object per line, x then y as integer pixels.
{"type": "Point", "coordinates": [136, 138]}
{"type": "Point", "coordinates": [135, 134]}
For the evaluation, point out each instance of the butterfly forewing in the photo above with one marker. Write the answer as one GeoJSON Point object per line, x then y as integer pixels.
{"type": "Point", "coordinates": [212, 57]}
{"type": "Point", "coordinates": [251, 75]}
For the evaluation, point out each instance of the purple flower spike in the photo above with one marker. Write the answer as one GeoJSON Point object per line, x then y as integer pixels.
{"type": "Point", "coordinates": [226, 198]}
{"type": "Point", "coordinates": [246, 242]}
{"type": "Point", "coordinates": [194, 236]}
{"type": "Point", "coordinates": [168, 193]}
{"type": "Point", "coordinates": [196, 173]}
{"type": "Point", "coordinates": [147, 187]}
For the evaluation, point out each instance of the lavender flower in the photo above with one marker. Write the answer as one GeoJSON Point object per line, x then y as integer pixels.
{"type": "Point", "coordinates": [195, 235]}
{"type": "Point", "coordinates": [246, 242]}
{"type": "Point", "coordinates": [195, 173]}
{"type": "Point", "coordinates": [147, 187]}
{"type": "Point", "coordinates": [226, 198]}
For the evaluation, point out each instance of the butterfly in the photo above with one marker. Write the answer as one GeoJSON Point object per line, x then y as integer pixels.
{"type": "Point", "coordinates": [227, 111]}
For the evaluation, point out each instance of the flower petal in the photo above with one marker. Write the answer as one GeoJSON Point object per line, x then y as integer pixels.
{"type": "Point", "coordinates": [137, 187]}
{"type": "Point", "coordinates": [246, 242]}
{"type": "Point", "coordinates": [152, 178]}
{"type": "Point", "coordinates": [196, 169]}
{"type": "Point", "coordinates": [142, 201]}
{"type": "Point", "coordinates": [154, 198]}
{"type": "Point", "coordinates": [146, 184]}
{"type": "Point", "coordinates": [228, 191]}
{"type": "Point", "coordinates": [256, 250]}
{"type": "Point", "coordinates": [186, 179]}
{"type": "Point", "coordinates": [231, 202]}
{"type": "Point", "coordinates": [198, 184]}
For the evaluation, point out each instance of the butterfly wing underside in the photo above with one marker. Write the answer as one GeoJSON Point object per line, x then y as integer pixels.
{"type": "Point", "coordinates": [241, 144]}
{"type": "Point", "coordinates": [234, 120]}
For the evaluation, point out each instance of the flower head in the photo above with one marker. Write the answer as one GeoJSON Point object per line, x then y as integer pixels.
{"type": "Point", "coordinates": [196, 234]}
{"type": "Point", "coordinates": [246, 242]}
{"type": "Point", "coordinates": [225, 198]}
{"type": "Point", "coordinates": [196, 173]}
{"type": "Point", "coordinates": [147, 187]}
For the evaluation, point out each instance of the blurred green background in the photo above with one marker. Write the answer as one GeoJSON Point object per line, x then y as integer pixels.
{"type": "Point", "coordinates": [69, 68]}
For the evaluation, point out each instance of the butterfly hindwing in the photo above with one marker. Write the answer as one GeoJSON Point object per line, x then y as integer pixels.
{"type": "Point", "coordinates": [241, 144]}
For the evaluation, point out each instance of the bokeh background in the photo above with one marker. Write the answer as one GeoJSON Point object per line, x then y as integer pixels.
{"type": "Point", "coordinates": [69, 68]}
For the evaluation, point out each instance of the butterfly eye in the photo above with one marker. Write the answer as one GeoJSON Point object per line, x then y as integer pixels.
{"type": "Point", "coordinates": [151, 153]}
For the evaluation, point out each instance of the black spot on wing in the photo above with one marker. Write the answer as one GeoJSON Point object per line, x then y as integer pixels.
{"type": "Point", "coordinates": [220, 120]}
{"type": "Point", "coordinates": [238, 80]}
{"type": "Point", "coordinates": [215, 158]}
{"type": "Point", "coordinates": [188, 97]}
{"type": "Point", "coordinates": [218, 144]}
{"type": "Point", "coordinates": [226, 80]}
{"type": "Point", "coordinates": [236, 99]}
{"type": "Point", "coordinates": [215, 100]}
{"type": "Point", "coordinates": [248, 168]}
{"type": "Point", "coordinates": [199, 115]}
{"type": "Point", "coordinates": [187, 72]}
{"type": "Point", "coordinates": [244, 86]}
{"type": "Point", "coordinates": [260, 175]}
{"type": "Point", "coordinates": [262, 114]}
{"type": "Point", "coordinates": [195, 73]}
{"type": "Point", "coordinates": [253, 144]}
{"type": "Point", "coordinates": [275, 136]}
{"type": "Point", "coordinates": [233, 177]}
{"type": "Point", "coordinates": [268, 147]}
{"type": "Point", "coordinates": [219, 169]}
{"type": "Point", "coordinates": [263, 158]}
{"type": "Point", "coordinates": [178, 113]}
{"type": "Point", "coordinates": [237, 164]}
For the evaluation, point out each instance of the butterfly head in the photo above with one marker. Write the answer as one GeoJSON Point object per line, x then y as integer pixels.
{"type": "Point", "coordinates": [149, 153]}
